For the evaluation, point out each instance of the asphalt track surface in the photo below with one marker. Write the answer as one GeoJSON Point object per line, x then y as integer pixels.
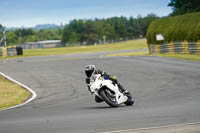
{"type": "Point", "coordinates": [166, 91]}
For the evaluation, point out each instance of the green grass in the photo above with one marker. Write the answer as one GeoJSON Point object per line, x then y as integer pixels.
{"type": "Point", "coordinates": [143, 53]}
{"type": "Point", "coordinates": [11, 94]}
{"type": "Point", "coordinates": [133, 44]}
{"type": "Point", "coordinates": [192, 57]}
{"type": "Point", "coordinates": [126, 45]}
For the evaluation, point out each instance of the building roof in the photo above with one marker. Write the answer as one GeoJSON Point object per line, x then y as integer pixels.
{"type": "Point", "coordinates": [49, 41]}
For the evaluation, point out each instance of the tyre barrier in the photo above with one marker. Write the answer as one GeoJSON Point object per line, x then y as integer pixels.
{"type": "Point", "coordinates": [175, 48]}
{"type": "Point", "coordinates": [11, 51]}
{"type": "Point", "coordinates": [19, 50]}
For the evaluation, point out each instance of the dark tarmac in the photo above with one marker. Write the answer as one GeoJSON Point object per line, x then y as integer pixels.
{"type": "Point", "coordinates": [166, 92]}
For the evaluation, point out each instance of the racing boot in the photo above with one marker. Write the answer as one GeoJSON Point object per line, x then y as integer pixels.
{"type": "Point", "coordinates": [122, 89]}
{"type": "Point", "coordinates": [98, 100]}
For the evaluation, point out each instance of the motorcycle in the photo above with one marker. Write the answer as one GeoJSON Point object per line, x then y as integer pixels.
{"type": "Point", "coordinates": [108, 91]}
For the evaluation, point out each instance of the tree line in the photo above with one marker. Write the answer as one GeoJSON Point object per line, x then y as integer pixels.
{"type": "Point", "coordinates": [176, 28]}
{"type": "Point", "coordinates": [87, 31]}
{"type": "Point", "coordinates": [180, 7]}
{"type": "Point", "coordinates": [91, 31]}
{"type": "Point", "coordinates": [182, 24]}
{"type": "Point", "coordinates": [24, 35]}
{"type": "Point", "coordinates": [95, 31]}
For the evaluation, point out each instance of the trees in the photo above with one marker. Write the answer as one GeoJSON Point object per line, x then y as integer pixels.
{"type": "Point", "coordinates": [176, 28]}
{"type": "Point", "coordinates": [98, 30]}
{"type": "Point", "coordinates": [87, 31]}
{"type": "Point", "coordinates": [145, 22]}
{"type": "Point", "coordinates": [184, 6]}
{"type": "Point", "coordinates": [11, 37]}
{"type": "Point", "coordinates": [24, 35]}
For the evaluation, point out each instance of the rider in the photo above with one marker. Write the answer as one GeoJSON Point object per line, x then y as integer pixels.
{"type": "Point", "coordinates": [91, 69]}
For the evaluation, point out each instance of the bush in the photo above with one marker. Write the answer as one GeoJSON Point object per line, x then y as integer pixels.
{"type": "Point", "coordinates": [178, 28]}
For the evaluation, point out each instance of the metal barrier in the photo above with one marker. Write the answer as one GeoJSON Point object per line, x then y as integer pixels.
{"type": "Point", "coordinates": [176, 47]}
{"type": "Point", "coordinates": [11, 51]}
{"type": "Point", "coordinates": [1, 53]}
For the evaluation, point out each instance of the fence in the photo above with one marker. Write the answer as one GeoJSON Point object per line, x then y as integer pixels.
{"type": "Point", "coordinates": [41, 44]}
{"type": "Point", "coordinates": [11, 51]}
{"type": "Point", "coordinates": [176, 47]}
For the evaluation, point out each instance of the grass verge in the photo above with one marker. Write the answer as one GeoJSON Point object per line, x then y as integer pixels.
{"type": "Point", "coordinates": [143, 53]}
{"type": "Point", "coordinates": [126, 45]}
{"type": "Point", "coordinates": [192, 57]}
{"type": "Point", "coordinates": [11, 94]}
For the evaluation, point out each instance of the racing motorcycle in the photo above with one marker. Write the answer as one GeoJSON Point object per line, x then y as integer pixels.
{"type": "Point", "coordinates": [108, 91]}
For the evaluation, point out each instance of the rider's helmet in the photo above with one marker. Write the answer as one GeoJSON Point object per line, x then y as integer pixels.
{"type": "Point", "coordinates": [89, 70]}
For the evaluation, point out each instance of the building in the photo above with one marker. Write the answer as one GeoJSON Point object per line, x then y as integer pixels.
{"type": "Point", "coordinates": [41, 44]}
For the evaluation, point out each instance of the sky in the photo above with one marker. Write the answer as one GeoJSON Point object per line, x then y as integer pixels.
{"type": "Point", "coordinates": [28, 13]}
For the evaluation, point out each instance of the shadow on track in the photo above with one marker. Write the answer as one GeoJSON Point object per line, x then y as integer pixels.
{"type": "Point", "coordinates": [104, 107]}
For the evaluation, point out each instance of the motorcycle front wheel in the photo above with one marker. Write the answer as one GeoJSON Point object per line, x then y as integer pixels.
{"type": "Point", "coordinates": [108, 97]}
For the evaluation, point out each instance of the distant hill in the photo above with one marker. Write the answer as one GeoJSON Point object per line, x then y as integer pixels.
{"type": "Point", "coordinates": [38, 27]}
{"type": "Point", "coordinates": [46, 26]}
{"type": "Point", "coordinates": [11, 28]}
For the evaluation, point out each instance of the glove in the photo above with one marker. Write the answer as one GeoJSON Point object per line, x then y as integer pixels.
{"type": "Point", "coordinates": [87, 81]}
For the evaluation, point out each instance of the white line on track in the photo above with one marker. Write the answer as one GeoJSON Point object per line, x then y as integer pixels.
{"type": "Point", "coordinates": [192, 127]}
{"type": "Point", "coordinates": [33, 94]}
